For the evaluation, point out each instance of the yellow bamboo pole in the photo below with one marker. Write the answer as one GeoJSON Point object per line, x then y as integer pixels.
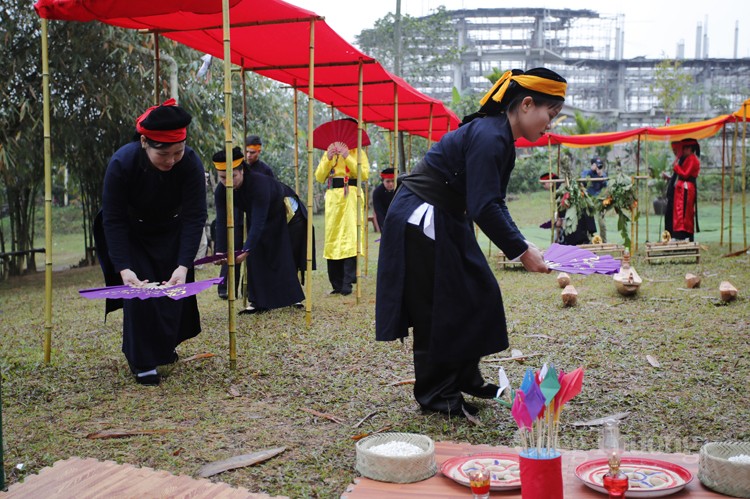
{"type": "Point", "coordinates": [744, 174]}
{"type": "Point", "coordinates": [156, 69]}
{"type": "Point", "coordinates": [243, 265]}
{"type": "Point", "coordinates": [360, 200]}
{"type": "Point", "coordinates": [723, 174]}
{"type": "Point", "coordinates": [731, 182]}
{"type": "Point", "coordinates": [429, 129]}
{"type": "Point", "coordinates": [395, 129]}
{"type": "Point", "coordinates": [646, 203]}
{"type": "Point", "coordinates": [296, 139]}
{"type": "Point", "coordinates": [229, 185]}
{"type": "Point", "coordinates": [310, 96]}
{"type": "Point", "coordinates": [47, 199]}
{"type": "Point", "coordinates": [634, 226]}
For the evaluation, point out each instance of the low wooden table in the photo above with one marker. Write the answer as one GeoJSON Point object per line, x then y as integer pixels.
{"type": "Point", "coordinates": [440, 486]}
{"type": "Point", "coordinates": [672, 250]}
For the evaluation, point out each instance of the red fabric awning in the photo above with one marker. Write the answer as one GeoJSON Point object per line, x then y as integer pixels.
{"type": "Point", "coordinates": [272, 38]}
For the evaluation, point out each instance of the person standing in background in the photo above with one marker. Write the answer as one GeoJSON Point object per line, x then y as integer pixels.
{"type": "Point", "coordinates": [382, 196]}
{"type": "Point", "coordinates": [681, 219]}
{"type": "Point", "coordinates": [253, 148]}
{"type": "Point", "coordinates": [594, 188]}
{"type": "Point", "coordinates": [338, 170]}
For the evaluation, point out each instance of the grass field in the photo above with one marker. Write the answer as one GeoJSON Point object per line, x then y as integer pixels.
{"type": "Point", "coordinates": [334, 366]}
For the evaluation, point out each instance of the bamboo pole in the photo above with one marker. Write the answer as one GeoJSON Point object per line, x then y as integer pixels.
{"type": "Point", "coordinates": [744, 174]}
{"type": "Point", "coordinates": [243, 265]}
{"type": "Point", "coordinates": [2, 465]}
{"type": "Point", "coordinates": [731, 182]}
{"type": "Point", "coordinates": [429, 129]}
{"type": "Point", "coordinates": [647, 203]}
{"type": "Point", "coordinates": [47, 200]}
{"type": "Point", "coordinates": [723, 174]}
{"type": "Point", "coordinates": [360, 200]}
{"type": "Point", "coordinates": [310, 97]}
{"type": "Point", "coordinates": [395, 129]}
{"type": "Point", "coordinates": [296, 139]}
{"type": "Point", "coordinates": [156, 69]}
{"type": "Point", "coordinates": [634, 226]}
{"type": "Point", "coordinates": [229, 185]}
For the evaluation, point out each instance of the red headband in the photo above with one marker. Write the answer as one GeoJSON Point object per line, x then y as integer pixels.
{"type": "Point", "coordinates": [386, 176]}
{"type": "Point", "coordinates": [177, 135]}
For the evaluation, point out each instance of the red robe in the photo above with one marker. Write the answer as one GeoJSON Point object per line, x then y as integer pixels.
{"type": "Point", "coordinates": [683, 210]}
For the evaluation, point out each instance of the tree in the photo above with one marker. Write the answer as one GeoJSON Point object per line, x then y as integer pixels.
{"type": "Point", "coordinates": [671, 86]}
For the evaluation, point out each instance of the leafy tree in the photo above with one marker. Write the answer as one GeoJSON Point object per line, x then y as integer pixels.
{"type": "Point", "coordinates": [671, 85]}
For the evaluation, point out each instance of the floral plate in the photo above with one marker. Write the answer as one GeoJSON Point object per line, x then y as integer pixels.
{"type": "Point", "coordinates": [648, 477]}
{"type": "Point", "coordinates": [505, 473]}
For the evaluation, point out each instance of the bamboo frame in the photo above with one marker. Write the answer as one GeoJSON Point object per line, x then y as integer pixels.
{"type": "Point", "coordinates": [310, 97]}
{"type": "Point", "coordinates": [295, 112]}
{"type": "Point", "coordinates": [360, 200]}
{"type": "Point", "coordinates": [47, 199]}
{"type": "Point", "coordinates": [228, 142]}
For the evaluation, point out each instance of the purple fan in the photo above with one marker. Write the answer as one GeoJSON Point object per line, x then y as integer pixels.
{"type": "Point", "coordinates": [575, 260]}
{"type": "Point", "coordinates": [128, 292]}
{"type": "Point", "coordinates": [215, 258]}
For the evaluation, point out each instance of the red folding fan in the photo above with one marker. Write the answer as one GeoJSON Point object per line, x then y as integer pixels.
{"type": "Point", "coordinates": [343, 130]}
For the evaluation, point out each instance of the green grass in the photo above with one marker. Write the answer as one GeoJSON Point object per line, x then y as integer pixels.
{"type": "Point", "coordinates": [335, 366]}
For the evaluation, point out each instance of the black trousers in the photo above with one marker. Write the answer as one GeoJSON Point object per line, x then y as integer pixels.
{"type": "Point", "coordinates": [342, 273]}
{"type": "Point", "coordinates": [438, 385]}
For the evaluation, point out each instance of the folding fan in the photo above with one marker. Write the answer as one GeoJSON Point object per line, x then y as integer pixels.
{"type": "Point", "coordinates": [150, 291]}
{"type": "Point", "coordinates": [344, 131]}
{"type": "Point", "coordinates": [577, 260]}
{"type": "Point", "coordinates": [215, 257]}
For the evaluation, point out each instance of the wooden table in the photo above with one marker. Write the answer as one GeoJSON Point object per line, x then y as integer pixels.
{"type": "Point", "coordinates": [440, 486]}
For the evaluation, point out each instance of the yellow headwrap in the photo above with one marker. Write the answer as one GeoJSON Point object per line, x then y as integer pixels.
{"type": "Point", "coordinates": [535, 83]}
{"type": "Point", "coordinates": [253, 147]}
{"type": "Point", "coordinates": [223, 166]}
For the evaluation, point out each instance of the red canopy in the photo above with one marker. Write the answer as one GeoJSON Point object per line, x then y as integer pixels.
{"type": "Point", "coordinates": [272, 38]}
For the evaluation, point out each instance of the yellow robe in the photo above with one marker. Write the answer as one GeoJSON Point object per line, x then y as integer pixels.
{"type": "Point", "coordinates": [340, 206]}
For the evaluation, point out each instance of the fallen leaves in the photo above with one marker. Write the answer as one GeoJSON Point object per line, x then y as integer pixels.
{"type": "Point", "coordinates": [120, 433]}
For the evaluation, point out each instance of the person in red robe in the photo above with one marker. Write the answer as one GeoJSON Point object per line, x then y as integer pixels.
{"type": "Point", "coordinates": [683, 201]}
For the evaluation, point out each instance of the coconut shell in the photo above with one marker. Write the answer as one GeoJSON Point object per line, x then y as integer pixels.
{"type": "Point", "coordinates": [569, 296]}
{"type": "Point", "coordinates": [727, 290]}
{"type": "Point", "coordinates": [563, 279]}
{"type": "Point", "coordinates": [692, 281]}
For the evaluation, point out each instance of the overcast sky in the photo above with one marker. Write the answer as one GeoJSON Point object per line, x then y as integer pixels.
{"type": "Point", "coordinates": [653, 28]}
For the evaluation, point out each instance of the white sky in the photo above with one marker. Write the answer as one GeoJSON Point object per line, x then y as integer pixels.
{"type": "Point", "coordinates": [653, 28]}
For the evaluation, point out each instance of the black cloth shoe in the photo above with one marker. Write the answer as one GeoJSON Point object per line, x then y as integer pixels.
{"type": "Point", "coordinates": [252, 310]}
{"type": "Point", "coordinates": [470, 409]}
{"type": "Point", "coordinates": [334, 292]}
{"type": "Point", "coordinates": [486, 391]}
{"type": "Point", "coordinates": [149, 380]}
{"type": "Point", "coordinates": [223, 295]}
{"type": "Point", "coordinates": [346, 292]}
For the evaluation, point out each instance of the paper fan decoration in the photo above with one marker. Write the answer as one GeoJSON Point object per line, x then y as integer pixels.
{"type": "Point", "coordinates": [150, 291]}
{"type": "Point", "coordinates": [575, 260]}
{"type": "Point", "coordinates": [215, 257]}
{"type": "Point", "coordinates": [344, 131]}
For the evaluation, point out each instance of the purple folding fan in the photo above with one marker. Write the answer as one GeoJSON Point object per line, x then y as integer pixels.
{"type": "Point", "coordinates": [216, 257]}
{"type": "Point", "coordinates": [151, 290]}
{"type": "Point", "coordinates": [575, 260]}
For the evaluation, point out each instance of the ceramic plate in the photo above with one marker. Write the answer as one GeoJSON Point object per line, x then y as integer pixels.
{"type": "Point", "coordinates": [504, 470]}
{"type": "Point", "coordinates": [648, 477]}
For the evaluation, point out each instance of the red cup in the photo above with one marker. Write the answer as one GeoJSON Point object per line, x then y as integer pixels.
{"type": "Point", "coordinates": [541, 477]}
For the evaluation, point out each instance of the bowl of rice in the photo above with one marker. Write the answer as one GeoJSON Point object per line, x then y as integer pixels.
{"type": "Point", "coordinates": [725, 467]}
{"type": "Point", "coordinates": [396, 457]}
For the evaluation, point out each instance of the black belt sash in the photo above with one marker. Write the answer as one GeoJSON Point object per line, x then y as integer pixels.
{"type": "Point", "coordinates": [337, 182]}
{"type": "Point", "coordinates": [428, 184]}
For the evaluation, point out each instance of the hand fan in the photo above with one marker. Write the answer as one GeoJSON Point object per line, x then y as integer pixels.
{"type": "Point", "coordinates": [151, 290]}
{"type": "Point", "coordinates": [215, 257]}
{"type": "Point", "coordinates": [344, 131]}
{"type": "Point", "coordinates": [577, 260]}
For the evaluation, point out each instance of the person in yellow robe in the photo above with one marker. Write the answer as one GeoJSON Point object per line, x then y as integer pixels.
{"type": "Point", "coordinates": [338, 170]}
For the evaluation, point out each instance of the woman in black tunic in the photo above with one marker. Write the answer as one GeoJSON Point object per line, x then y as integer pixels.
{"type": "Point", "coordinates": [432, 275]}
{"type": "Point", "coordinates": [153, 214]}
{"type": "Point", "coordinates": [271, 268]}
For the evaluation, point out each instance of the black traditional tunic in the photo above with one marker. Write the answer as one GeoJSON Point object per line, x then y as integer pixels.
{"type": "Point", "coordinates": [271, 271]}
{"type": "Point", "coordinates": [381, 200]}
{"type": "Point", "coordinates": [152, 223]}
{"type": "Point", "coordinates": [474, 163]}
